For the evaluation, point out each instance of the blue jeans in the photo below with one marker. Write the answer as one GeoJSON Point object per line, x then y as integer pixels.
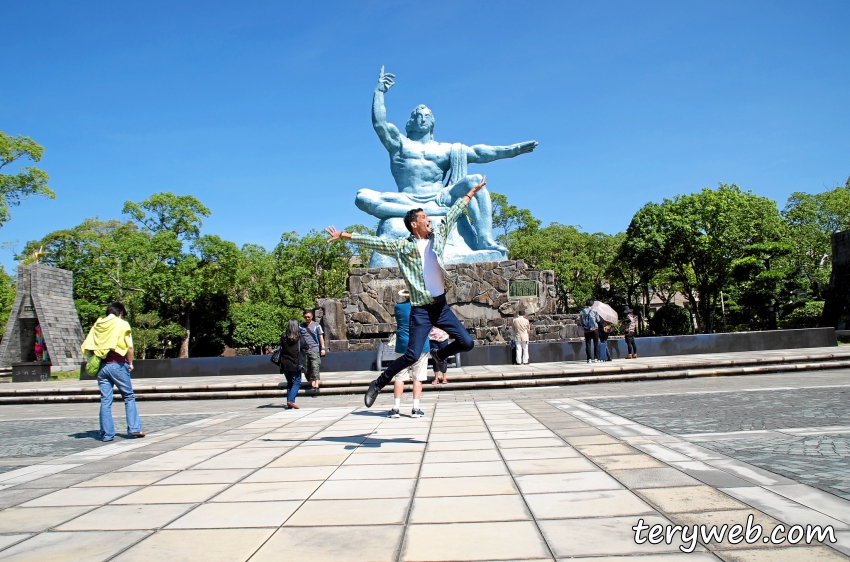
{"type": "Point", "coordinates": [293, 383]}
{"type": "Point", "coordinates": [119, 375]}
{"type": "Point", "coordinates": [422, 319]}
{"type": "Point", "coordinates": [603, 350]}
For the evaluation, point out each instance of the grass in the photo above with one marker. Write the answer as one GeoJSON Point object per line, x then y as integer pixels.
{"type": "Point", "coordinates": [65, 375]}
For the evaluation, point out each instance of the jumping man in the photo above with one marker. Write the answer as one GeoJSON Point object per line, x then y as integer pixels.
{"type": "Point", "coordinates": [420, 260]}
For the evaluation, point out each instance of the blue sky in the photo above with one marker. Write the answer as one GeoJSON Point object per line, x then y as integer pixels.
{"type": "Point", "coordinates": [262, 109]}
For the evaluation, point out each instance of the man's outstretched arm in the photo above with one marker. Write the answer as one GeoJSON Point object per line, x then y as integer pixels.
{"type": "Point", "coordinates": [380, 245]}
{"type": "Point", "coordinates": [482, 153]}
{"type": "Point", "coordinates": [387, 132]}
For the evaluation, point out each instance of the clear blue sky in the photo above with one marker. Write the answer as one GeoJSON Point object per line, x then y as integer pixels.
{"type": "Point", "coordinates": [262, 109]}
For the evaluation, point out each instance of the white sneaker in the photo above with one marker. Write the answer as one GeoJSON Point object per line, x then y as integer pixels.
{"type": "Point", "coordinates": [590, 360]}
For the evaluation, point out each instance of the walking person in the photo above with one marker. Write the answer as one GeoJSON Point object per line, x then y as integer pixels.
{"type": "Point", "coordinates": [420, 259]}
{"type": "Point", "coordinates": [418, 372]}
{"type": "Point", "coordinates": [589, 320]}
{"type": "Point", "coordinates": [604, 332]}
{"type": "Point", "coordinates": [292, 349]}
{"type": "Point", "coordinates": [438, 339]}
{"type": "Point", "coordinates": [521, 330]}
{"type": "Point", "coordinates": [314, 339]}
{"type": "Point", "coordinates": [629, 326]}
{"type": "Point", "coordinates": [111, 339]}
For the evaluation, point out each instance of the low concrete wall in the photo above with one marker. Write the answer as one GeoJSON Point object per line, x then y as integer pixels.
{"type": "Point", "coordinates": [500, 354]}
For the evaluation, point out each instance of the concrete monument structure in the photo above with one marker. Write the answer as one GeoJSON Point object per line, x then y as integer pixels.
{"type": "Point", "coordinates": [44, 298]}
{"type": "Point", "coordinates": [433, 175]}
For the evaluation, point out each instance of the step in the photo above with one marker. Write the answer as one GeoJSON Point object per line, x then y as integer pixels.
{"type": "Point", "coordinates": [460, 382]}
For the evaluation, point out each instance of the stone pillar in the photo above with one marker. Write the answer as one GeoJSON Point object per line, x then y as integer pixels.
{"type": "Point", "coordinates": [836, 309]}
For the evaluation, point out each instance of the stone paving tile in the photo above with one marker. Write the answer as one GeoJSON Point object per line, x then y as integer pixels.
{"type": "Point", "coordinates": [600, 536]}
{"type": "Point", "coordinates": [168, 494]}
{"type": "Point", "coordinates": [235, 515]}
{"type": "Point", "coordinates": [796, 554]}
{"type": "Point", "coordinates": [379, 544]}
{"type": "Point", "coordinates": [689, 499]}
{"type": "Point", "coordinates": [81, 496]}
{"type": "Point", "coordinates": [268, 491]}
{"type": "Point", "coordinates": [127, 517]}
{"type": "Point", "coordinates": [654, 478]}
{"type": "Point", "coordinates": [625, 462]}
{"type": "Point", "coordinates": [466, 486]}
{"type": "Point", "coordinates": [569, 482]}
{"type": "Point", "coordinates": [36, 519]}
{"type": "Point", "coordinates": [549, 466]}
{"type": "Point", "coordinates": [364, 489]}
{"type": "Point", "coordinates": [291, 474]}
{"type": "Point", "coordinates": [474, 455]}
{"type": "Point", "coordinates": [474, 541]}
{"type": "Point", "coordinates": [729, 518]}
{"type": "Point", "coordinates": [17, 496]}
{"type": "Point", "coordinates": [213, 545]}
{"type": "Point", "coordinates": [375, 471]}
{"type": "Point", "coordinates": [456, 469]}
{"type": "Point", "coordinates": [533, 453]}
{"type": "Point", "coordinates": [469, 509]}
{"type": "Point", "coordinates": [125, 479]}
{"type": "Point", "coordinates": [569, 505]}
{"type": "Point", "coordinates": [94, 546]}
{"type": "Point", "coordinates": [203, 476]}
{"type": "Point", "coordinates": [350, 512]}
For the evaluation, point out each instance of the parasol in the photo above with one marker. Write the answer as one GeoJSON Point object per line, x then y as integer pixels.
{"type": "Point", "coordinates": [605, 312]}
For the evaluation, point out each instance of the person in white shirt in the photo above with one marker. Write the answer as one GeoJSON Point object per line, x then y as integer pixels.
{"type": "Point", "coordinates": [521, 330]}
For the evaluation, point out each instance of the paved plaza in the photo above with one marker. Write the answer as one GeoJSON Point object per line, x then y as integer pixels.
{"type": "Point", "coordinates": [551, 473]}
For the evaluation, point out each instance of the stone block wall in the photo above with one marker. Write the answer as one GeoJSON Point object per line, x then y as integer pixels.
{"type": "Point", "coordinates": [485, 297]}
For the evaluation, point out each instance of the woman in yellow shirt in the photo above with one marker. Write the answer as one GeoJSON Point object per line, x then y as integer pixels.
{"type": "Point", "coordinates": [111, 339]}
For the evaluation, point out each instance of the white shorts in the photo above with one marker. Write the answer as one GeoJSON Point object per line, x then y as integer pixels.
{"type": "Point", "coordinates": [419, 371]}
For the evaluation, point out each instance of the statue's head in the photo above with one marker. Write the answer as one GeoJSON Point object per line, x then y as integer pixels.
{"type": "Point", "coordinates": [421, 121]}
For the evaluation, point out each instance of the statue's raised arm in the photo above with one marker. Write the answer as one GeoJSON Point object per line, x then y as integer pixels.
{"type": "Point", "coordinates": [482, 153]}
{"type": "Point", "coordinates": [387, 132]}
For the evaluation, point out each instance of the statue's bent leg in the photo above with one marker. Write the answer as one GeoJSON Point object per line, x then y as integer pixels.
{"type": "Point", "coordinates": [392, 205]}
{"type": "Point", "coordinates": [480, 211]}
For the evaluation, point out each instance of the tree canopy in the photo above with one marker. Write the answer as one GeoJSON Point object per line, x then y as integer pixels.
{"type": "Point", "coordinates": [28, 180]}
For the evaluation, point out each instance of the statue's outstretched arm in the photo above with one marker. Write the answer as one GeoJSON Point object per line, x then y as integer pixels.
{"type": "Point", "coordinates": [482, 153]}
{"type": "Point", "coordinates": [387, 132]}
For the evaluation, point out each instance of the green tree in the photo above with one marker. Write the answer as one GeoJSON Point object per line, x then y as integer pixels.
{"type": "Point", "coordinates": [509, 218]}
{"type": "Point", "coordinates": [578, 259]}
{"type": "Point", "coordinates": [180, 214]}
{"type": "Point", "coordinates": [768, 279]}
{"type": "Point", "coordinates": [28, 181]}
{"type": "Point", "coordinates": [7, 298]}
{"type": "Point", "coordinates": [307, 268]}
{"type": "Point", "coordinates": [697, 237]}
{"type": "Point", "coordinates": [257, 325]}
{"type": "Point", "coordinates": [812, 219]}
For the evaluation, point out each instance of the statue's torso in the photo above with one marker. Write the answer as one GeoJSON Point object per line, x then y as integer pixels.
{"type": "Point", "coordinates": [419, 167]}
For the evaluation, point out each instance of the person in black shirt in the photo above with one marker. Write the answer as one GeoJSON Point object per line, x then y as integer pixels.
{"type": "Point", "coordinates": [291, 348]}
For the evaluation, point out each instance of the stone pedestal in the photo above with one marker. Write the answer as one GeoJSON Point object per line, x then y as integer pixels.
{"type": "Point", "coordinates": [30, 371]}
{"type": "Point", "coordinates": [485, 298]}
{"type": "Point", "coordinates": [44, 296]}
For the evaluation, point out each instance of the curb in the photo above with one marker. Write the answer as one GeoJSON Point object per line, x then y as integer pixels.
{"type": "Point", "coordinates": [274, 390]}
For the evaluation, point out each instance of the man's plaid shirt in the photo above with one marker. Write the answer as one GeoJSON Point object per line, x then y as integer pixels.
{"type": "Point", "coordinates": [406, 252]}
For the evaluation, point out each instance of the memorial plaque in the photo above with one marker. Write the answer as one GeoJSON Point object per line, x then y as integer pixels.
{"type": "Point", "coordinates": [522, 288]}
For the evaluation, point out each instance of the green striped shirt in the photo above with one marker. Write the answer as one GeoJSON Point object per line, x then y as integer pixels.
{"type": "Point", "coordinates": [406, 253]}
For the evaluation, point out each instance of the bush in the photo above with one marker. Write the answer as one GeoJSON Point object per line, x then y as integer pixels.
{"type": "Point", "coordinates": [671, 320]}
{"type": "Point", "coordinates": [806, 316]}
